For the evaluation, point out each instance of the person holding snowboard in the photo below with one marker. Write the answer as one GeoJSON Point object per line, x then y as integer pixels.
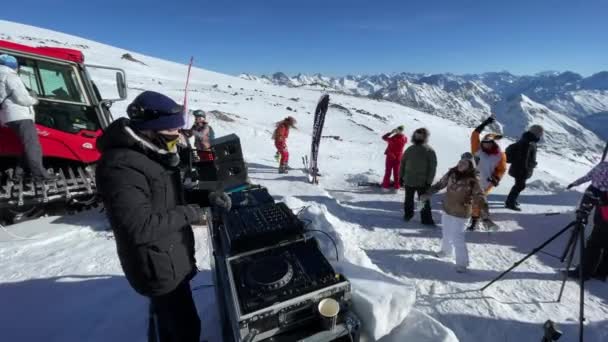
{"type": "Point", "coordinates": [417, 172]}
{"type": "Point", "coordinates": [595, 263]}
{"type": "Point", "coordinates": [139, 182]}
{"type": "Point", "coordinates": [463, 192]}
{"type": "Point", "coordinates": [396, 141]}
{"type": "Point", "coordinates": [522, 156]}
{"type": "Point", "coordinates": [491, 165]}
{"type": "Point", "coordinates": [203, 135]}
{"type": "Point", "coordinates": [280, 135]}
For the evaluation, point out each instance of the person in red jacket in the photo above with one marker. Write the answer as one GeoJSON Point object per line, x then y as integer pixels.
{"type": "Point", "coordinates": [396, 142]}
{"type": "Point", "coordinates": [280, 135]}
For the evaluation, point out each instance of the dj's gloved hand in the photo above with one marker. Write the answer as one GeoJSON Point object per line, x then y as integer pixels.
{"type": "Point", "coordinates": [495, 181]}
{"type": "Point", "coordinates": [196, 214]}
{"type": "Point", "coordinates": [220, 199]}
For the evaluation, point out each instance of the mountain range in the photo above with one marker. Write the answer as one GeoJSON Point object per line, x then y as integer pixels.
{"type": "Point", "coordinates": [565, 102]}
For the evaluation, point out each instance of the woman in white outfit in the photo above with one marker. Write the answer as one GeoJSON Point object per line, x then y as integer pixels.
{"type": "Point", "coordinates": [463, 191]}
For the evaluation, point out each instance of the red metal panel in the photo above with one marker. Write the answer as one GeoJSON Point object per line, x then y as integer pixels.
{"type": "Point", "coordinates": [79, 147]}
{"type": "Point", "coordinates": [54, 52]}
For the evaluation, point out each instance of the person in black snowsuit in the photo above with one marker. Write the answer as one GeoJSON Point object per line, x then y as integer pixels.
{"type": "Point", "coordinates": [522, 156]}
{"type": "Point", "coordinates": [595, 263]}
{"type": "Point", "coordinates": [141, 188]}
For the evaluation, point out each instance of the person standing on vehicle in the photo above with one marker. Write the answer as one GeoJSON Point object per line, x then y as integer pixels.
{"type": "Point", "coordinates": [522, 156]}
{"type": "Point", "coordinates": [280, 135]}
{"type": "Point", "coordinates": [396, 141]}
{"type": "Point", "coordinates": [491, 165]}
{"type": "Point", "coordinates": [463, 192]}
{"type": "Point", "coordinates": [17, 113]}
{"type": "Point", "coordinates": [417, 172]}
{"type": "Point", "coordinates": [203, 135]}
{"type": "Point", "coordinates": [140, 185]}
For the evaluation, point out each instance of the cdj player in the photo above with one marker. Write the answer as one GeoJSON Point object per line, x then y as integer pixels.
{"type": "Point", "coordinates": [276, 290]}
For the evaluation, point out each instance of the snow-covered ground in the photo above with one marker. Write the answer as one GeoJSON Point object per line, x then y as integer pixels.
{"type": "Point", "coordinates": [60, 279]}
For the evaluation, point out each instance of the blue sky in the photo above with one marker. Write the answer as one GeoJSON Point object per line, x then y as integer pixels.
{"type": "Point", "coordinates": [337, 37]}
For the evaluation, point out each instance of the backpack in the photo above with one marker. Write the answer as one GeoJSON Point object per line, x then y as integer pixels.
{"type": "Point", "coordinates": [512, 152]}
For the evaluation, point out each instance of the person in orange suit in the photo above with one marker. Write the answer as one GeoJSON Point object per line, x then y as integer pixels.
{"type": "Point", "coordinates": [491, 166]}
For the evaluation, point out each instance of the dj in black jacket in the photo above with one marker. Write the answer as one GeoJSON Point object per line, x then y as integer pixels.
{"type": "Point", "coordinates": [141, 188]}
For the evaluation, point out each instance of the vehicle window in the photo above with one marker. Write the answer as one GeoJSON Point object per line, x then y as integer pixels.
{"type": "Point", "coordinates": [59, 82]}
{"type": "Point", "coordinates": [28, 77]}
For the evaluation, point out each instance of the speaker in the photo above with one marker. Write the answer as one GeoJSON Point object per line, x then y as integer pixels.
{"type": "Point", "coordinates": [230, 174]}
{"type": "Point", "coordinates": [227, 148]}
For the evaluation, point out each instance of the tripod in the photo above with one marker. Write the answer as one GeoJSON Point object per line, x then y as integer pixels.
{"type": "Point", "coordinates": [578, 232]}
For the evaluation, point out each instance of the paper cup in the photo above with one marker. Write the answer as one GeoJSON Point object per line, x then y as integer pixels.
{"type": "Point", "coordinates": [329, 310]}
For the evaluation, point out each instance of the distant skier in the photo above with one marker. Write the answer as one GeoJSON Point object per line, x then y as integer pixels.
{"type": "Point", "coordinates": [17, 113]}
{"type": "Point", "coordinates": [417, 172]}
{"type": "Point", "coordinates": [491, 165]}
{"type": "Point", "coordinates": [463, 192]}
{"type": "Point", "coordinates": [203, 135]}
{"type": "Point", "coordinates": [595, 263]}
{"type": "Point", "coordinates": [522, 156]}
{"type": "Point", "coordinates": [396, 142]}
{"type": "Point", "coordinates": [280, 135]}
{"type": "Point", "coordinates": [139, 181]}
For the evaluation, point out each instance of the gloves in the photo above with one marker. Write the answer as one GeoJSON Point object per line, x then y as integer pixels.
{"type": "Point", "coordinates": [195, 214]}
{"type": "Point", "coordinates": [485, 122]}
{"type": "Point", "coordinates": [220, 200]}
{"type": "Point", "coordinates": [495, 181]}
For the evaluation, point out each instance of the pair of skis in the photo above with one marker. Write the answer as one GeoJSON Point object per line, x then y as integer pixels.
{"type": "Point", "coordinates": [317, 130]}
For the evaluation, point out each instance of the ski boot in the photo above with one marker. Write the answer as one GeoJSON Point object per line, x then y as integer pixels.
{"type": "Point", "coordinates": [473, 226]}
{"type": "Point", "coordinates": [513, 206]}
{"type": "Point", "coordinates": [283, 169]}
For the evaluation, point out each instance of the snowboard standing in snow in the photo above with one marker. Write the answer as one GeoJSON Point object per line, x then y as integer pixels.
{"type": "Point", "coordinates": [317, 130]}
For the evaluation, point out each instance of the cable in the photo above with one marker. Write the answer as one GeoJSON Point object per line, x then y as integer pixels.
{"type": "Point", "coordinates": [302, 210]}
{"type": "Point", "coordinates": [330, 238]}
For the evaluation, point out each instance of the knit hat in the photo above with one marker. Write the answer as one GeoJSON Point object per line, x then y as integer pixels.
{"type": "Point", "coordinates": [470, 157]}
{"type": "Point", "coordinates": [9, 61]}
{"type": "Point", "coordinates": [291, 121]}
{"type": "Point", "coordinates": [537, 130]}
{"type": "Point", "coordinates": [199, 114]}
{"type": "Point", "coordinates": [155, 112]}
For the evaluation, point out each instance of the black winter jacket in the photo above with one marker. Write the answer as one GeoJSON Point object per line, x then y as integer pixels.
{"type": "Point", "coordinates": [524, 156]}
{"type": "Point", "coordinates": [144, 202]}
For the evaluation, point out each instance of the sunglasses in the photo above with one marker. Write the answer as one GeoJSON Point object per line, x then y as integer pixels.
{"type": "Point", "coordinates": [137, 112]}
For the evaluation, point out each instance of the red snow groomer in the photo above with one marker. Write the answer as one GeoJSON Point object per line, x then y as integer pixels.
{"type": "Point", "coordinates": [70, 115]}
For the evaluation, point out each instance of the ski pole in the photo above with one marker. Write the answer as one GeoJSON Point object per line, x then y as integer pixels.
{"type": "Point", "coordinates": [186, 92]}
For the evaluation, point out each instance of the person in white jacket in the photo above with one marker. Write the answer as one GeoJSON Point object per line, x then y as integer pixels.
{"type": "Point", "coordinates": [16, 112]}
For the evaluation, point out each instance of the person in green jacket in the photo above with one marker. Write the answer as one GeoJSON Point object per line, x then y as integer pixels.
{"type": "Point", "coordinates": [417, 172]}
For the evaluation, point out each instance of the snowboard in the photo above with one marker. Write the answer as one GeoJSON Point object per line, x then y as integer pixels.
{"type": "Point", "coordinates": [317, 130]}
